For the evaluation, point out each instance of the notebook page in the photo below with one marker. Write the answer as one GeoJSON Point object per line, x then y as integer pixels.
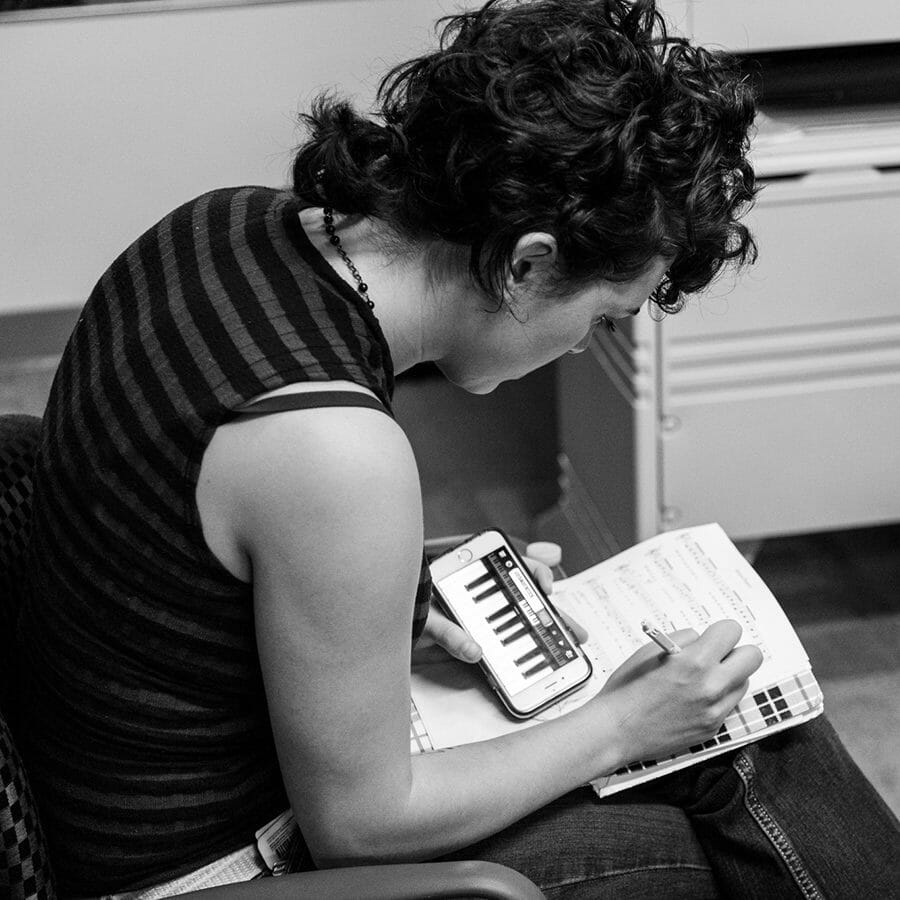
{"type": "Point", "coordinates": [682, 579]}
{"type": "Point", "coordinates": [687, 578]}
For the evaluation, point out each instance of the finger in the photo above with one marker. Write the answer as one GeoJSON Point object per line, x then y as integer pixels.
{"type": "Point", "coordinates": [742, 662]}
{"type": "Point", "coordinates": [684, 637]}
{"type": "Point", "coordinates": [541, 574]}
{"type": "Point", "coordinates": [717, 641]}
{"type": "Point", "coordinates": [451, 637]}
{"type": "Point", "coordinates": [579, 632]}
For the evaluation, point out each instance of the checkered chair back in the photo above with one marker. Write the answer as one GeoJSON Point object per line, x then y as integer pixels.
{"type": "Point", "coordinates": [24, 867]}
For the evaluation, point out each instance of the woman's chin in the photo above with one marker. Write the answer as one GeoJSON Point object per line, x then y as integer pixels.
{"type": "Point", "coordinates": [479, 385]}
{"type": "Point", "coordinates": [471, 384]}
{"type": "Point", "coordinates": [485, 388]}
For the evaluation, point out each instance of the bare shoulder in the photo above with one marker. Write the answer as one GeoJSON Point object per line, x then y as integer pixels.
{"type": "Point", "coordinates": [265, 479]}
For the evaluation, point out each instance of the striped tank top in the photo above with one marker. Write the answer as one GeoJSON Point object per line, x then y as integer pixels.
{"type": "Point", "coordinates": [145, 723]}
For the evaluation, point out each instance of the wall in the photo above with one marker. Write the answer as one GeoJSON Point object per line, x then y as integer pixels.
{"type": "Point", "coordinates": [780, 24]}
{"type": "Point", "coordinates": [757, 25]}
{"type": "Point", "coordinates": [108, 122]}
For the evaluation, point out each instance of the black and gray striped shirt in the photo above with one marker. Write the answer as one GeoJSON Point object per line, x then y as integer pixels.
{"type": "Point", "coordinates": [146, 728]}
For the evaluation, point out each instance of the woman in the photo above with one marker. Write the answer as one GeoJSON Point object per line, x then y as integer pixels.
{"type": "Point", "coordinates": [227, 547]}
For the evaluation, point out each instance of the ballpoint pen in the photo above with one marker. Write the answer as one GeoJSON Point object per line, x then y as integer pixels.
{"type": "Point", "coordinates": [660, 638]}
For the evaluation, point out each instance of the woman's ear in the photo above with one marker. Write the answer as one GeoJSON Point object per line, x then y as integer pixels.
{"type": "Point", "coordinates": [533, 261]}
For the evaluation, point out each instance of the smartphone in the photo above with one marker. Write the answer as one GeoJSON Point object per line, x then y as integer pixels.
{"type": "Point", "coordinates": [529, 656]}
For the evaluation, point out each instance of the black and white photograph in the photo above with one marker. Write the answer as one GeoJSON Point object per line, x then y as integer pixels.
{"type": "Point", "coordinates": [449, 449]}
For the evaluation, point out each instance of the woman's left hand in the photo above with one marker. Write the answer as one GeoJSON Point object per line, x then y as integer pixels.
{"type": "Point", "coordinates": [452, 638]}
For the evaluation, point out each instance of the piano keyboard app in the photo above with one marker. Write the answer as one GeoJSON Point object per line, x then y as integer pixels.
{"type": "Point", "coordinates": [521, 641]}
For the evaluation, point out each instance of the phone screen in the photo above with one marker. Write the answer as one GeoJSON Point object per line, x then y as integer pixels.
{"type": "Point", "coordinates": [523, 642]}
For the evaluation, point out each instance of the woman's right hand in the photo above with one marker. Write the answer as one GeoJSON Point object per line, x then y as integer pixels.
{"type": "Point", "coordinates": [665, 703]}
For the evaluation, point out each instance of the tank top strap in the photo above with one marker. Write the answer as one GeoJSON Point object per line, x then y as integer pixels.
{"type": "Point", "coordinates": [313, 400]}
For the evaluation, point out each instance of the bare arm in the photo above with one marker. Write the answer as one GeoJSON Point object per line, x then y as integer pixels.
{"type": "Point", "coordinates": [323, 507]}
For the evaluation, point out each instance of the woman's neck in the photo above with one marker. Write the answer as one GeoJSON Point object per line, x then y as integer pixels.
{"type": "Point", "coordinates": [407, 283]}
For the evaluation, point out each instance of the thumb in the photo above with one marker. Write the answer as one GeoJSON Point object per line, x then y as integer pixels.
{"type": "Point", "coordinates": [451, 637]}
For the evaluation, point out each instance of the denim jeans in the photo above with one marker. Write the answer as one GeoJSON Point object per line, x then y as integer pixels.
{"type": "Point", "coordinates": [789, 816]}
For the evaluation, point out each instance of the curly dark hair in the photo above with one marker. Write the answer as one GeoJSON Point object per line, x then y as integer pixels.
{"type": "Point", "coordinates": [581, 118]}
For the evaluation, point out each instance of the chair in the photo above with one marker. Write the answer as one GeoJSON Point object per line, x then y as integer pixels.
{"type": "Point", "coordinates": [25, 868]}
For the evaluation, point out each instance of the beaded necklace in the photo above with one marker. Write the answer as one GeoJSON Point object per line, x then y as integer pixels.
{"type": "Point", "coordinates": [335, 241]}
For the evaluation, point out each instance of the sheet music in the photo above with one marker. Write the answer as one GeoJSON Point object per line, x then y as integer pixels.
{"type": "Point", "coordinates": [682, 579]}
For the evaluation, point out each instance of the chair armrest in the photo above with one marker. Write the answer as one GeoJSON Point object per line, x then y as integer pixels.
{"type": "Point", "coordinates": [413, 881]}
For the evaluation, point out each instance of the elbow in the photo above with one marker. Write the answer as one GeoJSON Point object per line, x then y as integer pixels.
{"type": "Point", "coordinates": [361, 849]}
{"type": "Point", "coordinates": [337, 851]}
{"type": "Point", "coordinates": [359, 841]}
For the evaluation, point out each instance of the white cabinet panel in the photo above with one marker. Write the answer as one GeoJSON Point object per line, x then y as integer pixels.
{"type": "Point", "coordinates": [791, 395]}
{"type": "Point", "coordinates": [777, 24]}
{"type": "Point", "coordinates": [777, 464]}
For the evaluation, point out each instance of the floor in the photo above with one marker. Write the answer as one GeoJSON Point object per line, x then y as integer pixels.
{"type": "Point", "coordinates": [491, 461]}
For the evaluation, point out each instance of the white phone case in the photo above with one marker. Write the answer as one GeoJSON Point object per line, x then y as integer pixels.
{"type": "Point", "coordinates": [530, 658]}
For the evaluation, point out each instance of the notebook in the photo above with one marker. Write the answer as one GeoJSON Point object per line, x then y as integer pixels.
{"type": "Point", "coordinates": [680, 579]}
